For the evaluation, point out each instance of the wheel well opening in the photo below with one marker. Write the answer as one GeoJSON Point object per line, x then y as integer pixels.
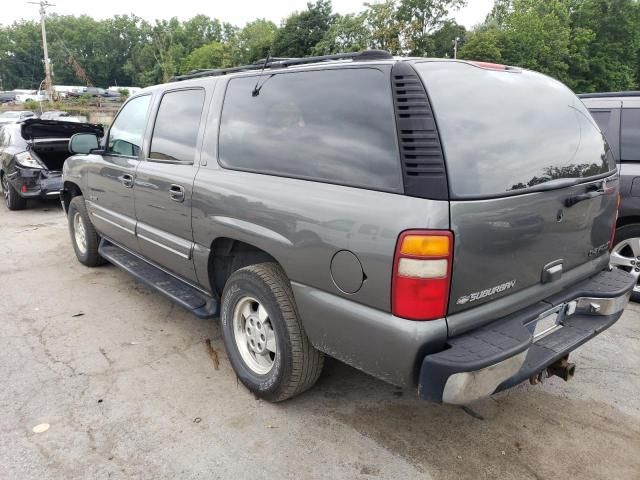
{"type": "Point", "coordinates": [69, 191]}
{"type": "Point", "coordinates": [228, 255]}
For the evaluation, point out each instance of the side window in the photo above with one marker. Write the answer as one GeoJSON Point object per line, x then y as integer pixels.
{"type": "Point", "coordinates": [125, 136]}
{"type": "Point", "coordinates": [176, 129]}
{"type": "Point", "coordinates": [335, 126]}
{"type": "Point", "coordinates": [602, 118]}
{"type": "Point", "coordinates": [630, 134]}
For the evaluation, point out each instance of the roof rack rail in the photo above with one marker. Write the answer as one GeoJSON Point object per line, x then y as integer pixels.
{"type": "Point", "coordinates": [610, 94]}
{"type": "Point", "coordinates": [285, 62]}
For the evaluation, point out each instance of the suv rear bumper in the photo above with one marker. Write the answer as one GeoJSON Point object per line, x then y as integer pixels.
{"type": "Point", "coordinates": [504, 353]}
{"type": "Point", "coordinates": [36, 183]}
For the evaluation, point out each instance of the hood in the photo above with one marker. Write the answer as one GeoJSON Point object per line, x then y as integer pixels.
{"type": "Point", "coordinates": [36, 128]}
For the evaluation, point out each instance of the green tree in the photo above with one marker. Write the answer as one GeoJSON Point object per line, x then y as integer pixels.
{"type": "Point", "coordinates": [421, 17]}
{"type": "Point", "coordinates": [608, 40]}
{"type": "Point", "coordinates": [484, 44]}
{"type": "Point", "coordinates": [211, 55]}
{"type": "Point", "coordinates": [347, 34]}
{"type": "Point", "coordinates": [384, 28]}
{"type": "Point", "coordinates": [301, 31]}
{"type": "Point", "coordinates": [442, 39]}
{"type": "Point", "coordinates": [253, 42]}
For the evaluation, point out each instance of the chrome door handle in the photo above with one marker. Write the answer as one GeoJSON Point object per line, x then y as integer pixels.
{"type": "Point", "coordinates": [176, 193]}
{"type": "Point", "coordinates": [126, 180]}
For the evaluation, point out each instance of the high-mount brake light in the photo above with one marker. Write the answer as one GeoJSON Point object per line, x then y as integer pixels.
{"type": "Point", "coordinates": [422, 274]}
{"type": "Point", "coordinates": [490, 66]}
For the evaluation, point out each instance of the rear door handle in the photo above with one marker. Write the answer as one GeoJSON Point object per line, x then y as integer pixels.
{"type": "Point", "coordinates": [126, 180]}
{"type": "Point", "coordinates": [176, 193]}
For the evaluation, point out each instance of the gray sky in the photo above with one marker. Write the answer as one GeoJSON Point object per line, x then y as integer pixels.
{"type": "Point", "coordinates": [237, 12]}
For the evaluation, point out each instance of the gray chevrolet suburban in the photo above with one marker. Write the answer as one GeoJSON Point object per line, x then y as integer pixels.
{"type": "Point", "coordinates": [438, 224]}
{"type": "Point", "coordinates": [618, 116]}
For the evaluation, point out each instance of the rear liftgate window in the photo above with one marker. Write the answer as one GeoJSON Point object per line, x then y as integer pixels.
{"type": "Point", "coordinates": [334, 126]}
{"type": "Point", "coordinates": [505, 132]}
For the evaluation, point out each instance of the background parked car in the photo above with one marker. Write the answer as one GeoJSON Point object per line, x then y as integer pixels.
{"type": "Point", "coordinates": [7, 97]}
{"type": "Point", "coordinates": [36, 96]}
{"type": "Point", "coordinates": [32, 154]}
{"type": "Point", "coordinates": [618, 116]}
{"type": "Point", "coordinates": [16, 116]}
{"type": "Point", "coordinates": [53, 114]}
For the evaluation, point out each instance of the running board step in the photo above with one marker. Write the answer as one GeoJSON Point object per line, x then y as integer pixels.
{"type": "Point", "coordinates": [179, 292]}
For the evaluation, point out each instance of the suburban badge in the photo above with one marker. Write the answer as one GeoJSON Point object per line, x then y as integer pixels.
{"type": "Point", "coordinates": [472, 297]}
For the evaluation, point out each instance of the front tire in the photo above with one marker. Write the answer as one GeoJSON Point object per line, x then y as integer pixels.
{"type": "Point", "coordinates": [263, 334]}
{"type": "Point", "coordinates": [12, 198]}
{"type": "Point", "coordinates": [626, 254]}
{"type": "Point", "coordinates": [84, 237]}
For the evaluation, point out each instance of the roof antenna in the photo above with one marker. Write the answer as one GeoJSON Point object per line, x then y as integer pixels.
{"type": "Point", "coordinates": [258, 87]}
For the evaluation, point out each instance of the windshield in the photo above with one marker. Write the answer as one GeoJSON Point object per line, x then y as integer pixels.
{"type": "Point", "coordinates": [10, 115]}
{"type": "Point", "coordinates": [504, 132]}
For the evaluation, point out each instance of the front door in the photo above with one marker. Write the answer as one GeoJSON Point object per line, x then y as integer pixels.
{"type": "Point", "coordinates": [164, 183]}
{"type": "Point", "coordinates": [111, 178]}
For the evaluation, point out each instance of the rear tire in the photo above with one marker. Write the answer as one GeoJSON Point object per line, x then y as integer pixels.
{"type": "Point", "coordinates": [627, 248]}
{"type": "Point", "coordinates": [263, 334]}
{"type": "Point", "coordinates": [84, 237]}
{"type": "Point", "coordinates": [12, 198]}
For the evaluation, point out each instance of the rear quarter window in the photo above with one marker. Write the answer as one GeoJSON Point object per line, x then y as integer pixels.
{"type": "Point", "coordinates": [504, 132]}
{"type": "Point", "coordinates": [334, 126]}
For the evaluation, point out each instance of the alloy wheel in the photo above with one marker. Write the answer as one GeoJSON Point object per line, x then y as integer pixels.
{"type": "Point", "coordinates": [626, 255]}
{"type": "Point", "coordinates": [254, 336]}
{"type": "Point", "coordinates": [80, 233]}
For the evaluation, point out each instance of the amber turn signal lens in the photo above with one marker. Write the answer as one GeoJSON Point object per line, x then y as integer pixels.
{"type": "Point", "coordinates": [425, 246]}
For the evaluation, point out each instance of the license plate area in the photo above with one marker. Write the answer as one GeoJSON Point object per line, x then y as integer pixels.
{"type": "Point", "coordinates": [547, 323]}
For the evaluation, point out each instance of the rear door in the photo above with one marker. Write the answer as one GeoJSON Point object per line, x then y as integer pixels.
{"type": "Point", "coordinates": [532, 181]}
{"type": "Point", "coordinates": [164, 182]}
{"type": "Point", "coordinates": [111, 177]}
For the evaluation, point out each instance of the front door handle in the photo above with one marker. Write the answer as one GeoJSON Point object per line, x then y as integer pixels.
{"type": "Point", "coordinates": [176, 193]}
{"type": "Point", "coordinates": [126, 180]}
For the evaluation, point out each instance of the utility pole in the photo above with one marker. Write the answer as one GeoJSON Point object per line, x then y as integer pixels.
{"type": "Point", "coordinates": [47, 67]}
{"type": "Point", "coordinates": [455, 46]}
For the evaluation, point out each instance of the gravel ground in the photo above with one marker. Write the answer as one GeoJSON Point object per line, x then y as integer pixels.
{"type": "Point", "coordinates": [127, 385]}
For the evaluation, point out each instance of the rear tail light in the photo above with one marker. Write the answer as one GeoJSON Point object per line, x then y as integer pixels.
{"type": "Point", "coordinates": [615, 223]}
{"type": "Point", "coordinates": [422, 274]}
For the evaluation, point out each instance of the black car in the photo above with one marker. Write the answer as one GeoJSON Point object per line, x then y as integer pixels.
{"type": "Point", "coordinates": [31, 157]}
{"type": "Point", "coordinates": [618, 116]}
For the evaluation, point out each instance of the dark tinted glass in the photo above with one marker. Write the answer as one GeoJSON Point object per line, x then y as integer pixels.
{"type": "Point", "coordinates": [602, 118]}
{"type": "Point", "coordinates": [504, 132]}
{"type": "Point", "coordinates": [176, 128]}
{"type": "Point", "coordinates": [630, 135]}
{"type": "Point", "coordinates": [333, 125]}
{"type": "Point", "coordinates": [125, 136]}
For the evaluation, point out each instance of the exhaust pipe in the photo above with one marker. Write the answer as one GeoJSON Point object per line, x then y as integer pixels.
{"type": "Point", "coordinates": [563, 369]}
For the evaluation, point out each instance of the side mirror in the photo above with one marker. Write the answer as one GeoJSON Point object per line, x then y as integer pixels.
{"type": "Point", "coordinates": [83, 143]}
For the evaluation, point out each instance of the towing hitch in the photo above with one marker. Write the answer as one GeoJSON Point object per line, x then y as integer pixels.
{"type": "Point", "coordinates": [561, 368]}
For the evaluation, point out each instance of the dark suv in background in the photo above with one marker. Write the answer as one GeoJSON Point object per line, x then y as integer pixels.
{"type": "Point", "coordinates": [618, 116]}
{"type": "Point", "coordinates": [439, 224]}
